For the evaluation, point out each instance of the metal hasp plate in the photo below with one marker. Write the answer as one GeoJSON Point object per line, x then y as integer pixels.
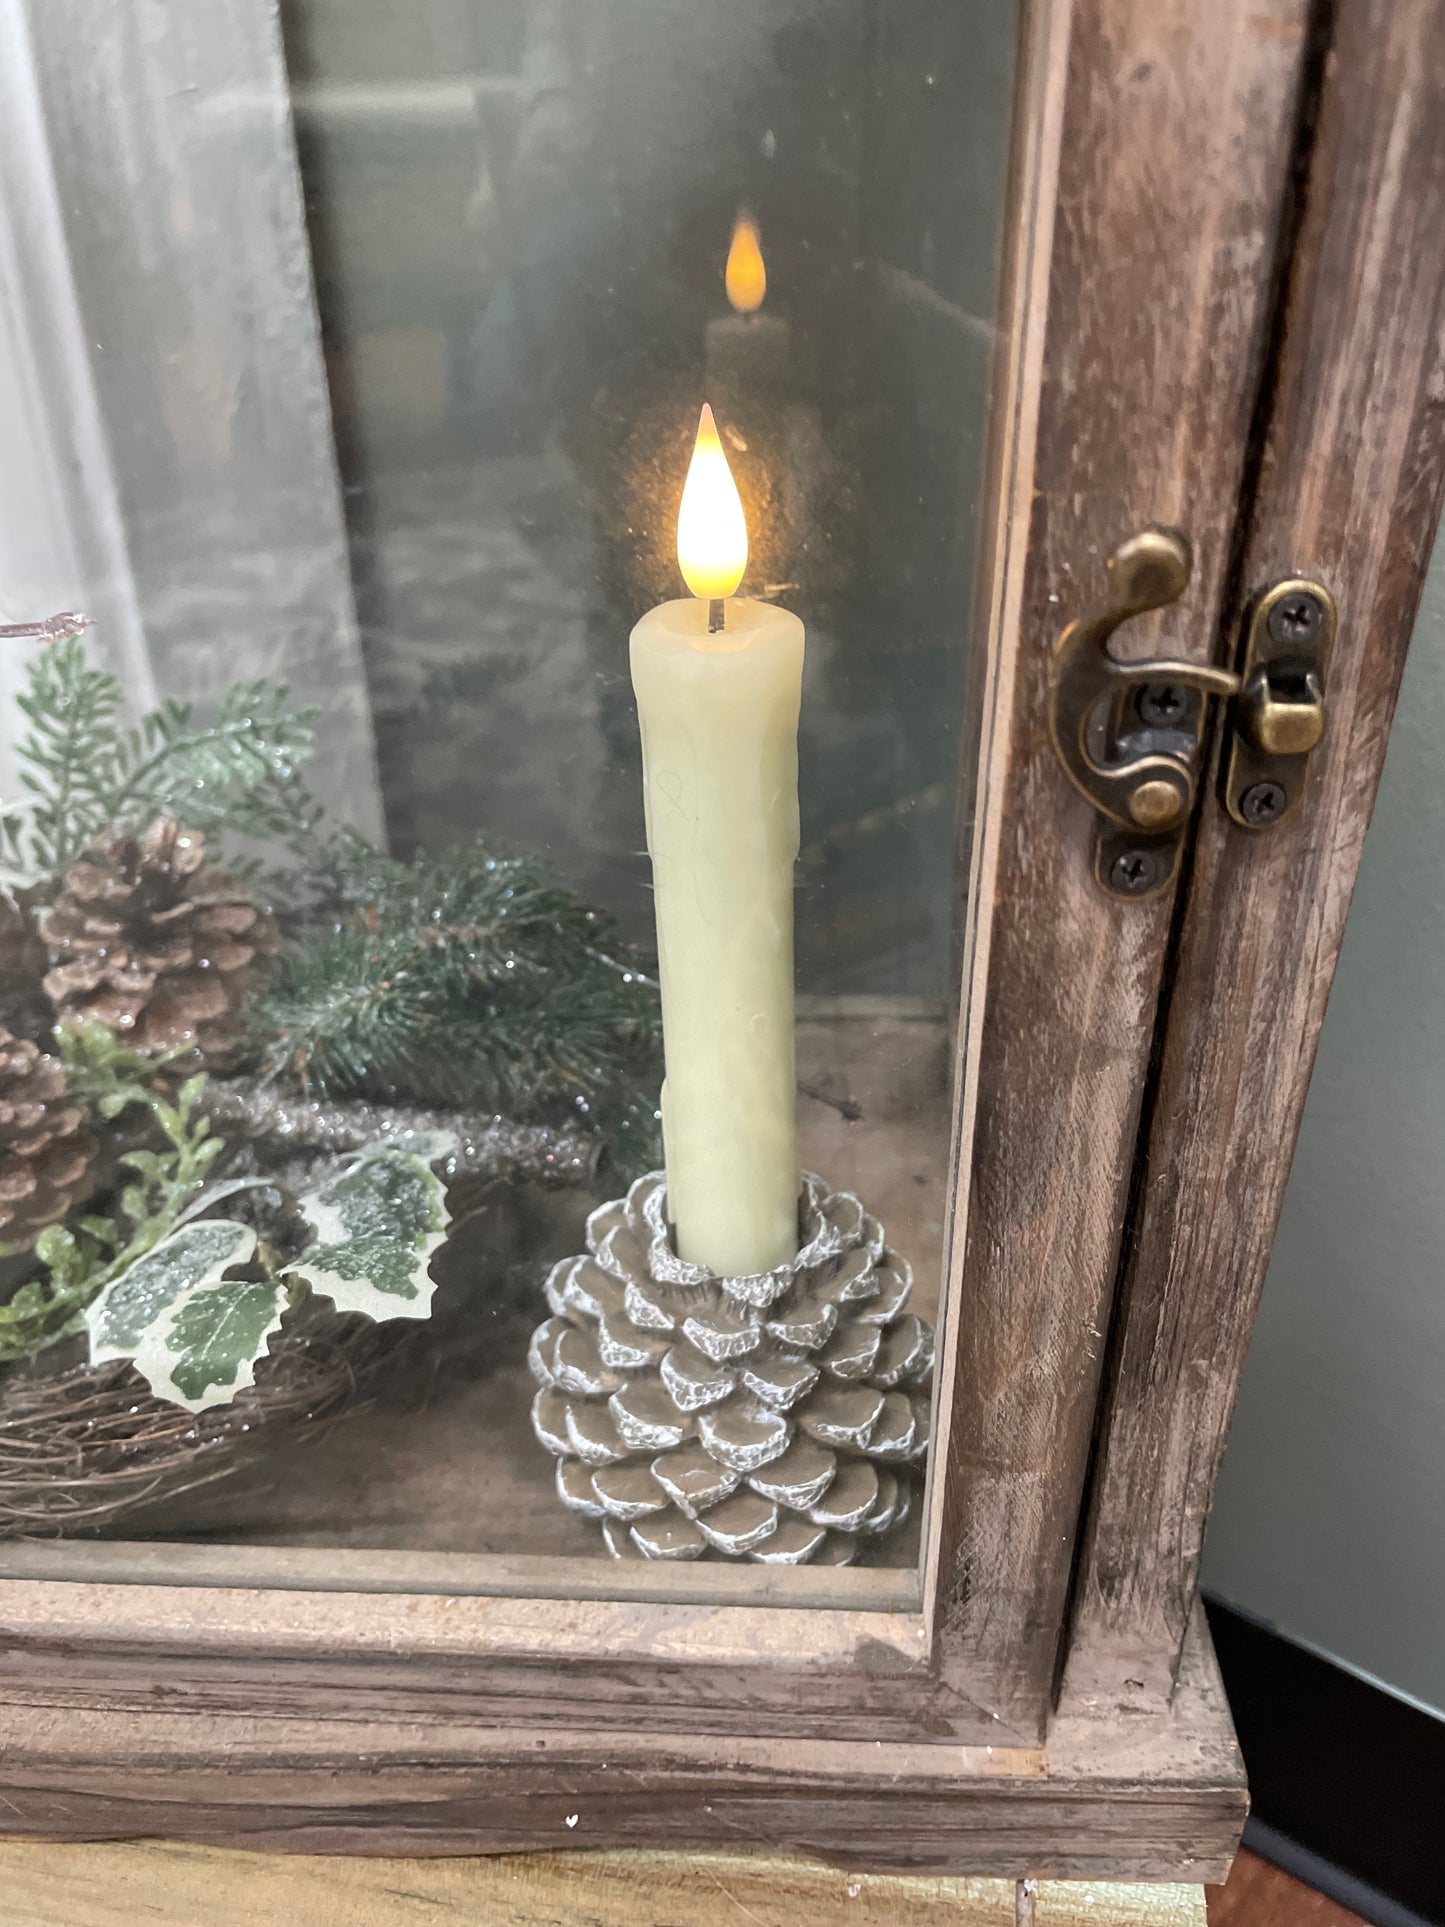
{"type": "Point", "coordinates": [1129, 735]}
{"type": "Point", "coordinates": [1278, 717]}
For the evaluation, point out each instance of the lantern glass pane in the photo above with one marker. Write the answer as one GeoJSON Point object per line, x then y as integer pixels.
{"type": "Point", "coordinates": [387, 344]}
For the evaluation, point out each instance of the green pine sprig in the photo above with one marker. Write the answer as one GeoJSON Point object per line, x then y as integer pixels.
{"type": "Point", "coordinates": [464, 979]}
{"type": "Point", "coordinates": [85, 771]}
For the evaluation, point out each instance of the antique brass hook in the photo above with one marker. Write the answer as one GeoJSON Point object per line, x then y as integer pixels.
{"type": "Point", "coordinates": [1127, 734]}
{"type": "Point", "coordinates": [1130, 735]}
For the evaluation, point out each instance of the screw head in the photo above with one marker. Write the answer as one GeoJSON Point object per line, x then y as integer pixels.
{"type": "Point", "coordinates": [1133, 872]}
{"type": "Point", "coordinates": [1296, 617]}
{"type": "Point", "coordinates": [1263, 803]}
{"type": "Point", "coordinates": [1162, 703]}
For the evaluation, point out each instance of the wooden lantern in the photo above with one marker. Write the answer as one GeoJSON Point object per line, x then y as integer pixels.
{"type": "Point", "coordinates": [1222, 309]}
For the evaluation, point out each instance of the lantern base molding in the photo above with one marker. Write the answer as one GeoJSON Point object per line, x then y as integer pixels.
{"type": "Point", "coordinates": [777, 1418]}
{"type": "Point", "coordinates": [1153, 1796]}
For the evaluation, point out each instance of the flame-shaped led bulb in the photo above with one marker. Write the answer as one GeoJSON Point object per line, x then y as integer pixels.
{"type": "Point", "coordinates": [712, 534]}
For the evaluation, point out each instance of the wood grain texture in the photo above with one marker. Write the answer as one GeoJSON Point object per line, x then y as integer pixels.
{"type": "Point", "coordinates": [1152, 268]}
{"type": "Point", "coordinates": [555, 1663]}
{"type": "Point", "coordinates": [175, 1753]}
{"type": "Point", "coordinates": [344, 1569]}
{"type": "Point", "coordinates": [175, 1885]}
{"type": "Point", "coordinates": [1349, 493]}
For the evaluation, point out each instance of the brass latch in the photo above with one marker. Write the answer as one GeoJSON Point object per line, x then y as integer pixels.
{"type": "Point", "coordinates": [1280, 710]}
{"type": "Point", "coordinates": [1130, 735]}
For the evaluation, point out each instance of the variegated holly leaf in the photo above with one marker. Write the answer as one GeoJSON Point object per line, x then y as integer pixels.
{"type": "Point", "coordinates": [377, 1225]}
{"type": "Point", "coordinates": [204, 1350]}
{"type": "Point", "coordinates": [131, 1305]}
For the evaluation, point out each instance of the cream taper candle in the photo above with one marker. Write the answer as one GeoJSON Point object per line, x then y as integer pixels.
{"type": "Point", "coordinates": [718, 707]}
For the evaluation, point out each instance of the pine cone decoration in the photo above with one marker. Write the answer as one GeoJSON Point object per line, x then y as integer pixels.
{"type": "Point", "coordinates": [770, 1418]}
{"type": "Point", "coordinates": [46, 1149]}
{"type": "Point", "coordinates": [24, 1007]}
{"type": "Point", "coordinates": [150, 939]}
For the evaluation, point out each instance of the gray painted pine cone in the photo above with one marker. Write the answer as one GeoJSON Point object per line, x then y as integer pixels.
{"type": "Point", "coordinates": [773, 1418]}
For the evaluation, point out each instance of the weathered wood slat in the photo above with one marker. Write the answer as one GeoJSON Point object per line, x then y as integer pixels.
{"type": "Point", "coordinates": [343, 1569]}
{"type": "Point", "coordinates": [1350, 489]}
{"type": "Point", "coordinates": [1153, 272]}
{"type": "Point", "coordinates": [557, 1663]}
{"type": "Point", "coordinates": [231, 1763]}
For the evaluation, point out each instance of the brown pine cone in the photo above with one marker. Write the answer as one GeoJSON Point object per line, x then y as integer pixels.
{"type": "Point", "coordinates": [46, 1149]}
{"type": "Point", "coordinates": [150, 939]}
{"type": "Point", "coordinates": [24, 1007]}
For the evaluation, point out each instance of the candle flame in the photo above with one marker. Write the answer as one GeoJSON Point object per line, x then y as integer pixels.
{"type": "Point", "coordinates": [712, 534]}
{"type": "Point", "coordinates": [745, 278]}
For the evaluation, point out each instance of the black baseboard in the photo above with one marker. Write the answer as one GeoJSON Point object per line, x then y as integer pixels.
{"type": "Point", "coordinates": [1343, 1772]}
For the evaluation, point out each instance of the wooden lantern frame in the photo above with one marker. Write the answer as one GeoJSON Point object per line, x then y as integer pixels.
{"type": "Point", "coordinates": [1223, 308]}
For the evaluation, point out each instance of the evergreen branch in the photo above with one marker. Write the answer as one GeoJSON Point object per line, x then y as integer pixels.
{"type": "Point", "coordinates": [467, 979]}
{"type": "Point", "coordinates": [72, 752]}
{"type": "Point", "coordinates": [86, 772]}
{"type": "Point", "coordinates": [342, 1006]}
{"type": "Point", "coordinates": [231, 773]}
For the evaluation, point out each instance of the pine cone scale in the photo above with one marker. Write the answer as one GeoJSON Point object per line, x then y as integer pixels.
{"type": "Point", "coordinates": [75, 979]}
{"type": "Point", "coordinates": [33, 1126]}
{"type": "Point", "coordinates": [228, 918]}
{"type": "Point", "coordinates": [96, 884]}
{"type": "Point", "coordinates": [224, 956]}
{"type": "Point", "coordinates": [60, 1167]}
{"type": "Point", "coordinates": [181, 1007]}
{"type": "Point", "coordinates": [21, 1118]}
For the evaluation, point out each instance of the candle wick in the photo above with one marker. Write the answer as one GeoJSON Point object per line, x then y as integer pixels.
{"type": "Point", "coordinates": [716, 615]}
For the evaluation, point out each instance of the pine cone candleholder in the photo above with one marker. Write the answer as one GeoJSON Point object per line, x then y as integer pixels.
{"type": "Point", "coordinates": [46, 1148]}
{"type": "Point", "coordinates": [771, 1418]}
{"type": "Point", "coordinates": [150, 939]}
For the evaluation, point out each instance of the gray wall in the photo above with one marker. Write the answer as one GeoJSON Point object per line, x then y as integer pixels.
{"type": "Point", "coordinates": [1330, 1519]}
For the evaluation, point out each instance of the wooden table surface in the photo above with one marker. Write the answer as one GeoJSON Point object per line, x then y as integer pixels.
{"type": "Point", "coordinates": [163, 1884]}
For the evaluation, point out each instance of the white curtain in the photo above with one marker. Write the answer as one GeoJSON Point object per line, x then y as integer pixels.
{"type": "Point", "coordinates": [169, 463]}
{"type": "Point", "coordinates": [62, 544]}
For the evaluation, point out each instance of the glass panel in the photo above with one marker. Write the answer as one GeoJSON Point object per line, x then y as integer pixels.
{"type": "Point", "coordinates": [517, 217]}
